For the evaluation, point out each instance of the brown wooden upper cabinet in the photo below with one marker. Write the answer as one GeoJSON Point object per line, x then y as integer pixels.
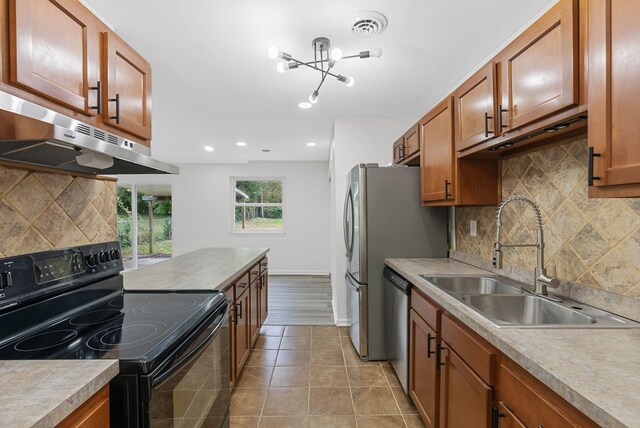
{"type": "Point", "coordinates": [54, 52]}
{"type": "Point", "coordinates": [475, 109]}
{"type": "Point", "coordinates": [540, 70]}
{"type": "Point", "coordinates": [614, 98]}
{"type": "Point", "coordinates": [437, 155]}
{"type": "Point", "coordinates": [128, 89]}
{"type": "Point", "coordinates": [406, 150]}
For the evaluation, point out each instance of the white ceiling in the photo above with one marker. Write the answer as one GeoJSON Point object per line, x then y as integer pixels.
{"type": "Point", "coordinates": [213, 83]}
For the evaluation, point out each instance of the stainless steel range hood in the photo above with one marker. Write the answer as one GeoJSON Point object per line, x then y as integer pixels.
{"type": "Point", "coordinates": [35, 135]}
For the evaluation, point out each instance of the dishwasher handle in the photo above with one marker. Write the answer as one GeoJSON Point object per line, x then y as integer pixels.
{"type": "Point", "coordinates": [397, 281]}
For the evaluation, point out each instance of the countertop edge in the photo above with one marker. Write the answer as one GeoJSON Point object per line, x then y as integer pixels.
{"type": "Point", "coordinates": [71, 403]}
{"type": "Point", "coordinates": [135, 280]}
{"type": "Point", "coordinates": [489, 332]}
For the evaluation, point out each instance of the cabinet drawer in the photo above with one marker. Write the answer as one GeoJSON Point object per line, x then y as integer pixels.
{"type": "Point", "coordinates": [534, 403]}
{"type": "Point", "coordinates": [478, 354]}
{"type": "Point", "coordinates": [93, 413]}
{"type": "Point", "coordinates": [254, 272]}
{"type": "Point", "coordinates": [427, 310]}
{"type": "Point", "coordinates": [241, 286]}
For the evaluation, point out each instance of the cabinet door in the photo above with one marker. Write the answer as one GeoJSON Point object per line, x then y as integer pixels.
{"type": "Point", "coordinates": [242, 339]}
{"type": "Point", "coordinates": [128, 77]}
{"type": "Point", "coordinates": [55, 51]}
{"type": "Point", "coordinates": [540, 72]}
{"type": "Point", "coordinates": [264, 297]}
{"type": "Point", "coordinates": [614, 92]}
{"type": "Point", "coordinates": [506, 418]}
{"type": "Point", "coordinates": [398, 148]}
{"type": "Point", "coordinates": [93, 413]}
{"type": "Point", "coordinates": [465, 400]}
{"type": "Point", "coordinates": [423, 368]}
{"type": "Point", "coordinates": [411, 141]}
{"type": "Point", "coordinates": [436, 153]}
{"type": "Point", "coordinates": [475, 116]}
{"type": "Point", "coordinates": [254, 315]}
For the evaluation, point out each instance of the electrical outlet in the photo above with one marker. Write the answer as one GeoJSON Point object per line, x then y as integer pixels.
{"type": "Point", "coordinates": [473, 228]}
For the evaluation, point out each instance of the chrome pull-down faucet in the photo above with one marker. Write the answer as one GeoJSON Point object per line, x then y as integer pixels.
{"type": "Point", "coordinates": [541, 280]}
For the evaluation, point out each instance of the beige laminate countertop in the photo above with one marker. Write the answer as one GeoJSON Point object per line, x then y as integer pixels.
{"type": "Point", "coordinates": [596, 370]}
{"type": "Point", "coordinates": [204, 269]}
{"type": "Point", "coordinates": [36, 393]}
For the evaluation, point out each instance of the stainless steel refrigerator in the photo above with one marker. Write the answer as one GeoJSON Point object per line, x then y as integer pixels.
{"type": "Point", "coordinates": [383, 218]}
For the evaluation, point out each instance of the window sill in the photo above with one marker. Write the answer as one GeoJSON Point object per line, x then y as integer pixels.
{"type": "Point", "coordinates": [237, 233]}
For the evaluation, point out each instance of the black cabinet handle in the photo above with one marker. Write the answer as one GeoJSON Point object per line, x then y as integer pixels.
{"type": "Point", "coordinates": [439, 362]}
{"type": "Point", "coordinates": [447, 194]}
{"type": "Point", "coordinates": [592, 154]}
{"type": "Point", "coordinates": [501, 111]}
{"type": "Point", "coordinates": [429, 351]}
{"type": "Point", "coordinates": [117, 101]}
{"type": "Point", "coordinates": [98, 89]}
{"type": "Point", "coordinates": [486, 125]}
{"type": "Point", "coordinates": [495, 416]}
{"type": "Point", "coordinates": [238, 311]}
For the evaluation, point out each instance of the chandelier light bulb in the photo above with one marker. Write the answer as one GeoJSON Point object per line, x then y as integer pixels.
{"type": "Point", "coordinates": [313, 98]}
{"type": "Point", "coordinates": [336, 54]}
{"type": "Point", "coordinates": [280, 67]}
{"type": "Point", "coordinates": [350, 81]}
{"type": "Point", "coordinates": [376, 53]}
{"type": "Point", "coordinates": [273, 52]}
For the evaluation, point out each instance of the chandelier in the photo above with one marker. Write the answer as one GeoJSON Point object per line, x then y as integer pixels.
{"type": "Point", "coordinates": [324, 60]}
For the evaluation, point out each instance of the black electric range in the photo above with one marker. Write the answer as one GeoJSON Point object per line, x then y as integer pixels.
{"type": "Point", "coordinates": [172, 346]}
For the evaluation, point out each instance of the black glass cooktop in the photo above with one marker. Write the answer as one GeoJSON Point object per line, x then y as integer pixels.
{"type": "Point", "coordinates": [139, 329]}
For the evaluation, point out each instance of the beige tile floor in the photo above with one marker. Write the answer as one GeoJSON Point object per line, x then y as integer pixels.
{"type": "Point", "coordinates": [310, 376]}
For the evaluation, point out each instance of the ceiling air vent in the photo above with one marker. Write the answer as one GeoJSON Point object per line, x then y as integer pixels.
{"type": "Point", "coordinates": [368, 24]}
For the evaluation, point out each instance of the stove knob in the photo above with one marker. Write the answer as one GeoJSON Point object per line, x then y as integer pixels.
{"type": "Point", "coordinates": [102, 257]}
{"type": "Point", "coordinates": [114, 254]}
{"type": "Point", "coordinates": [91, 260]}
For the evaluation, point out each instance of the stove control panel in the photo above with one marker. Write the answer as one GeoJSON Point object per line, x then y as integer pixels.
{"type": "Point", "coordinates": [33, 275]}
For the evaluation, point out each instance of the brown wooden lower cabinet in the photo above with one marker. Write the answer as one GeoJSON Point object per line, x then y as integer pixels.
{"type": "Point", "coordinates": [465, 400]}
{"type": "Point", "coordinates": [531, 403]}
{"type": "Point", "coordinates": [254, 313]}
{"type": "Point", "coordinates": [93, 413]}
{"type": "Point", "coordinates": [248, 310]}
{"type": "Point", "coordinates": [423, 371]}
{"type": "Point", "coordinates": [457, 379]}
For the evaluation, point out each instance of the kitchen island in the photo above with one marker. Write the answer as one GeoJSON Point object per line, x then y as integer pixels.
{"type": "Point", "coordinates": [37, 393]}
{"type": "Point", "coordinates": [204, 269]}
{"type": "Point", "coordinates": [595, 370]}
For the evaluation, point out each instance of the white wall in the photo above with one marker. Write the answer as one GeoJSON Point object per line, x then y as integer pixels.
{"type": "Point", "coordinates": [355, 140]}
{"type": "Point", "coordinates": [204, 213]}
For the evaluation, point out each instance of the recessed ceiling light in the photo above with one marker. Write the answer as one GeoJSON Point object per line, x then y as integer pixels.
{"type": "Point", "coordinates": [241, 143]}
{"type": "Point", "coordinates": [208, 148]}
{"type": "Point", "coordinates": [304, 105]}
{"type": "Point", "coordinates": [311, 144]}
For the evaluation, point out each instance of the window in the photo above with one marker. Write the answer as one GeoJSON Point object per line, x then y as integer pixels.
{"type": "Point", "coordinates": [258, 204]}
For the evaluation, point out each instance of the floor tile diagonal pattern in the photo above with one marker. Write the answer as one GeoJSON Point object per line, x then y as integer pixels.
{"type": "Point", "coordinates": [310, 376]}
{"type": "Point", "coordinates": [41, 211]}
{"type": "Point", "coordinates": [595, 242]}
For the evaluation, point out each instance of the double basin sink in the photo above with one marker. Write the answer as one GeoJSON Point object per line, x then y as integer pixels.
{"type": "Point", "coordinates": [506, 303]}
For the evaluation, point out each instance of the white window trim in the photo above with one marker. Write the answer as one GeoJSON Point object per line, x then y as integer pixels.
{"type": "Point", "coordinates": [232, 196]}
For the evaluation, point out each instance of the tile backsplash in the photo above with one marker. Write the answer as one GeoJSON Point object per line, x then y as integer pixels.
{"type": "Point", "coordinates": [592, 242]}
{"type": "Point", "coordinates": [41, 211]}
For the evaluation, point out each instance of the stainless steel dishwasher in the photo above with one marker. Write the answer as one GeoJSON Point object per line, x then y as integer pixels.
{"type": "Point", "coordinates": [396, 293]}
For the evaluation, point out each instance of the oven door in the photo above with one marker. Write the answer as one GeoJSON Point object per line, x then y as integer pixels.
{"type": "Point", "coordinates": [193, 390]}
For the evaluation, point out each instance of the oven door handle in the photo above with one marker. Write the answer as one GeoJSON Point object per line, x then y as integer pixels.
{"type": "Point", "coordinates": [161, 377]}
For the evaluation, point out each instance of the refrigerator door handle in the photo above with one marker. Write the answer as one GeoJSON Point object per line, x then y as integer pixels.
{"type": "Point", "coordinates": [348, 223]}
{"type": "Point", "coordinates": [352, 283]}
